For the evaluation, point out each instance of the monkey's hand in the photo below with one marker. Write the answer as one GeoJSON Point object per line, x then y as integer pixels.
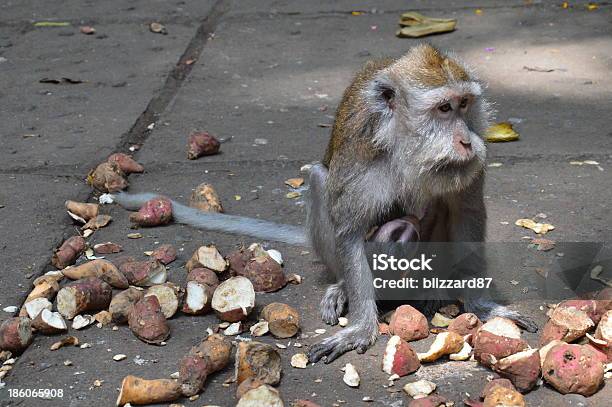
{"type": "Point", "coordinates": [360, 336]}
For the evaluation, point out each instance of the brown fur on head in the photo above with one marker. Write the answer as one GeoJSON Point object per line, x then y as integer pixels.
{"type": "Point", "coordinates": [425, 109]}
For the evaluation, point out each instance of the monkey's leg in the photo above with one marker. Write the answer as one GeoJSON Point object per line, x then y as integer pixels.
{"type": "Point", "coordinates": [321, 236]}
{"type": "Point", "coordinates": [358, 283]}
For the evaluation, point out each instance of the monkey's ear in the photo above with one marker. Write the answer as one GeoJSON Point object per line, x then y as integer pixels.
{"type": "Point", "coordinates": [381, 92]}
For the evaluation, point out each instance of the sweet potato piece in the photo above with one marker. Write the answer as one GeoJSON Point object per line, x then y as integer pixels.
{"type": "Point", "coordinates": [567, 324]}
{"type": "Point", "coordinates": [147, 321]}
{"type": "Point", "coordinates": [169, 296]}
{"type": "Point", "coordinates": [502, 396]}
{"type": "Point", "coordinates": [16, 335]}
{"type": "Point", "coordinates": [138, 391]}
{"type": "Point", "coordinates": [446, 343]}
{"type": "Point", "coordinates": [107, 177]}
{"type": "Point", "coordinates": [399, 358]}
{"type": "Point", "coordinates": [238, 259]}
{"type": "Point", "coordinates": [207, 257]}
{"type": "Point", "coordinates": [165, 254]}
{"type": "Point", "coordinates": [201, 284]}
{"type": "Point", "coordinates": [127, 164]}
{"type": "Point", "coordinates": [430, 401]}
{"type": "Point", "coordinates": [87, 294]}
{"type": "Point", "coordinates": [46, 288]}
{"type": "Point", "coordinates": [498, 337]}
{"type": "Point", "coordinates": [202, 143]}
{"type": "Point", "coordinates": [49, 323]}
{"type": "Point", "coordinates": [82, 211]}
{"type": "Point", "coordinates": [573, 369]}
{"type": "Point", "coordinates": [259, 361]}
{"type": "Point", "coordinates": [593, 308]}
{"type": "Point", "coordinates": [283, 320]}
{"type": "Point", "coordinates": [121, 304]}
{"type": "Point", "coordinates": [107, 248]}
{"type": "Point", "coordinates": [68, 252]}
{"type": "Point", "coordinates": [35, 307]}
{"type": "Point", "coordinates": [205, 199]}
{"type": "Point", "coordinates": [409, 324]}
{"type": "Point", "coordinates": [103, 269]}
{"type": "Point", "coordinates": [496, 382]}
{"type": "Point", "coordinates": [265, 274]}
{"type": "Point", "coordinates": [261, 396]}
{"type": "Point", "coordinates": [234, 299]}
{"type": "Point", "coordinates": [603, 335]}
{"type": "Point", "coordinates": [523, 369]}
{"type": "Point", "coordinates": [144, 273]}
{"type": "Point", "coordinates": [210, 356]}
{"type": "Point", "coordinates": [154, 212]}
{"type": "Point", "coordinates": [465, 324]}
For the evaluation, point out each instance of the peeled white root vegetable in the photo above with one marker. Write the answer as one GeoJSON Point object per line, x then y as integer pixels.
{"type": "Point", "coordinates": [445, 343]}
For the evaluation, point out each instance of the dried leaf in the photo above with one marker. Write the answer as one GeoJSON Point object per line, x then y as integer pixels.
{"type": "Point", "coordinates": [501, 132]}
{"type": "Point", "coordinates": [539, 228]}
{"type": "Point", "coordinates": [293, 194]}
{"type": "Point", "coordinates": [295, 182]}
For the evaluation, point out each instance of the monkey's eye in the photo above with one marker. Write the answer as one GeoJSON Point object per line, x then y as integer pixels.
{"type": "Point", "coordinates": [464, 103]}
{"type": "Point", "coordinates": [445, 108]}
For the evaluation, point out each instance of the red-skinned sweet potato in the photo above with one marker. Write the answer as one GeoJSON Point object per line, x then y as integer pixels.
{"type": "Point", "coordinates": [498, 337]}
{"type": "Point", "coordinates": [205, 199]}
{"type": "Point", "coordinates": [523, 369]}
{"type": "Point", "coordinates": [138, 391]}
{"type": "Point", "coordinates": [234, 299]}
{"type": "Point", "coordinates": [154, 212]}
{"type": "Point", "coordinates": [107, 177]}
{"type": "Point", "coordinates": [127, 164]}
{"type": "Point", "coordinates": [121, 304]}
{"type": "Point", "coordinates": [573, 369]}
{"type": "Point", "coordinates": [283, 320]}
{"type": "Point", "coordinates": [147, 321]}
{"type": "Point", "coordinates": [16, 335]}
{"type": "Point", "coordinates": [87, 294]}
{"type": "Point", "coordinates": [210, 356]}
{"type": "Point", "coordinates": [68, 252]}
{"type": "Point", "coordinates": [409, 324]}
{"type": "Point", "coordinates": [201, 285]}
{"type": "Point", "coordinates": [566, 323]}
{"type": "Point", "coordinates": [165, 254]}
{"type": "Point", "coordinates": [200, 144]}
{"type": "Point", "coordinates": [465, 324]}
{"type": "Point", "coordinates": [257, 360]}
{"type": "Point", "coordinates": [399, 358]}
{"type": "Point", "coordinates": [265, 274]}
{"type": "Point", "coordinates": [103, 269]}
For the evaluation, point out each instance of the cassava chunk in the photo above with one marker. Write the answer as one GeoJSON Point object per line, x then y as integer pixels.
{"type": "Point", "coordinates": [283, 320]}
{"type": "Point", "coordinates": [49, 323]}
{"type": "Point", "coordinates": [210, 356]}
{"type": "Point", "coordinates": [261, 396]}
{"type": "Point", "coordinates": [202, 143]}
{"type": "Point", "coordinates": [259, 361]}
{"type": "Point", "coordinates": [107, 177]}
{"type": "Point", "coordinates": [147, 321]}
{"type": "Point", "coordinates": [234, 299]}
{"type": "Point", "coordinates": [201, 284]}
{"type": "Point", "coordinates": [207, 257]}
{"type": "Point", "coordinates": [205, 199]}
{"type": "Point", "coordinates": [465, 324]}
{"type": "Point", "coordinates": [16, 335]}
{"type": "Point", "coordinates": [265, 274]}
{"type": "Point", "coordinates": [68, 252]}
{"type": "Point", "coordinates": [165, 254]}
{"type": "Point", "coordinates": [107, 248]}
{"type": "Point", "coordinates": [35, 307]}
{"type": "Point", "coordinates": [502, 396]}
{"type": "Point", "coordinates": [522, 368]}
{"type": "Point", "coordinates": [87, 294]}
{"type": "Point", "coordinates": [573, 369]}
{"type": "Point", "coordinates": [499, 338]}
{"type": "Point", "coordinates": [399, 358]}
{"type": "Point", "coordinates": [144, 273]}
{"type": "Point", "coordinates": [446, 343]}
{"type": "Point", "coordinates": [121, 303]}
{"type": "Point", "coordinates": [154, 212]}
{"type": "Point", "coordinates": [127, 164]}
{"type": "Point", "coordinates": [567, 324]}
{"type": "Point", "coordinates": [103, 269]}
{"type": "Point", "coordinates": [82, 211]}
{"type": "Point", "coordinates": [409, 324]}
{"type": "Point", "coordinates": [169, 296]}
{"type": "Point", "coordinates": [138, 391]}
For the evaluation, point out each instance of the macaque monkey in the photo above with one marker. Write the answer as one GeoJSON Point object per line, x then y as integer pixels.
{"type": "Point", "coordinates": [405, 155]}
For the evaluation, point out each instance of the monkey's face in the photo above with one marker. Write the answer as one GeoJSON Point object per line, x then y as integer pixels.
{"type": "Point", "coordinates": [445, 122]}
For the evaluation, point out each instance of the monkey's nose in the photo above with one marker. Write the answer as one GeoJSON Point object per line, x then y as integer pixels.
{"type": "Point", "coordinates": [466, 143]}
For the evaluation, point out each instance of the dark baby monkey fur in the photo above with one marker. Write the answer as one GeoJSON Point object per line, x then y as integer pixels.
{"type": "Point", "coordinates": [405, 141]}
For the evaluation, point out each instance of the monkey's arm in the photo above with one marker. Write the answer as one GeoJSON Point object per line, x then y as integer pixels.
{"type": "Point", "coordinates": [257, 228]}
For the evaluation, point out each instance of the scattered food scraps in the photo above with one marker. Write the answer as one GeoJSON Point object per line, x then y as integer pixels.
{"type": "Point", "coordinates": [295, 182]}
{"type": "Point", "coordinates": [158, 28]}
{"type": "Point", "coordinates": [205, 198]}
{"type": "Point", "coordinates": [87, 30]}
{"type": "Point", "coordinates": [501, 132]}
{"type": "Point", "coordinates": [351, 377]}
{"type": "Point", "coordinates": [200, 144]}
{"type": "Point", "coordinates": [539, 228]}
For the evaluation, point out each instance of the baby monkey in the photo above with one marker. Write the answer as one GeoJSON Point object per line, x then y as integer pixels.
{"type": "Point", "coordinates": [405, 154]}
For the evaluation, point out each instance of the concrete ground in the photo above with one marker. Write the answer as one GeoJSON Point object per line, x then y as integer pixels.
{"type": "Point", "coordinates": [273, 70]}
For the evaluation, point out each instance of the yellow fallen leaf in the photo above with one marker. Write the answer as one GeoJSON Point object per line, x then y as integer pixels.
{"type": "Point", "coordinates": [237, 197]}
{"type": "Point", "coordinates": [501, 132]}
{"type": "Point", "coordinates": [356, 13]}
{"type": "Point", "coordinates": [295, 182]}
{"type": "Point", "coordinates": [135, 235]}
{"type": "Point", "coordinates": [592, 6]}
{"type": "Point", "coordinates": [293, 195]}
{"type": "Point", "coordinates": [539, 228]}
{"type": "Point", "coordinates": [478, 12]}
{"type": "Point", "coordinates": [565, 4]}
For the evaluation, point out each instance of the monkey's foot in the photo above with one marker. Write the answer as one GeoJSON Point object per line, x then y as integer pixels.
{"type": "Point", "coordinates": [355, 337]}
{"type": "Point", "coordinates": [333, 303]}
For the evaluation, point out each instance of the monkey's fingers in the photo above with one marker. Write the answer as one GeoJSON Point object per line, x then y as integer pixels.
{"type": "Point", "coordinates": [342, 342]}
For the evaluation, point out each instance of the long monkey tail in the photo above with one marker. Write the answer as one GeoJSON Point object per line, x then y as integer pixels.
{"type": "Point", "coordinates": [241, 225]}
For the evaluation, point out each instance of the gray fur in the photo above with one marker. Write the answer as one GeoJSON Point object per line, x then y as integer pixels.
{"type": "Point", "coordinates": [260, 229]}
